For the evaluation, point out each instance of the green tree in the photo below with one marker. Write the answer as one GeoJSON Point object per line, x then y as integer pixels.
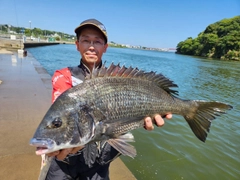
{"type": "Point", "coordinates": [218, 40]}
{"type": "Point", "coordinates": [27, 32]}
{"type": "Point", "coordinates": [37, 32]}
{"type": "Point", "coordinates": [57, 38]}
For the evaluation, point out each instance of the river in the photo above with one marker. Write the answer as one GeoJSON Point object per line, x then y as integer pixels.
{"type": "Point", "coordinates": [173, 151]}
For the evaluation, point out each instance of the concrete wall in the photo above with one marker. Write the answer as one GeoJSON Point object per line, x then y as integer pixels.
{"type": "Point", "coordinates": [36, 44]}
{"type": "Point", "coordinates": [12, 45]}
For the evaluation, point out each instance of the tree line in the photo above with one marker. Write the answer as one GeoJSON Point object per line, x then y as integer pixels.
{"type": "Point", "coordinates": [44, 34]}
{"type": "Point", "coordinates": [219, 40]}
{"type": "Point", "coordinates": [35, 32]}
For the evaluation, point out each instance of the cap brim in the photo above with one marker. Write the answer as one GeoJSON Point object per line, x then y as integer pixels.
{"type": "Point", "coordinates": [80, 27]}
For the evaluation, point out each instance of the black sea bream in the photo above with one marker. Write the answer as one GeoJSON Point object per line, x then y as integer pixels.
{"type": "Point", "coordinates": [113, 101]}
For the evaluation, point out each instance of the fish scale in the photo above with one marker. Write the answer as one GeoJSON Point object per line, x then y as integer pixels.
{"type": "Point", "coordinates": [123, 97]}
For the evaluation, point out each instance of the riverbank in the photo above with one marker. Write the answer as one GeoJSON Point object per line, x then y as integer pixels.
{"type": "Point", "coordinates": [25, 97]}
{"type": "Point", "coordinates": [18, 44]}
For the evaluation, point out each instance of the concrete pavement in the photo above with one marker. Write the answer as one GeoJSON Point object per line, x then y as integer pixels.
{"type": "Point", "coordinates": [25, 96]}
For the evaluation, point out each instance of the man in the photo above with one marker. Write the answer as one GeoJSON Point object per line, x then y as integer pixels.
{"type": "Point", "coordinates": [69, 163]}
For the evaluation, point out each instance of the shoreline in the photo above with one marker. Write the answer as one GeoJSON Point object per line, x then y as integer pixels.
{"type": "Point", "coordinates": [25, 97]}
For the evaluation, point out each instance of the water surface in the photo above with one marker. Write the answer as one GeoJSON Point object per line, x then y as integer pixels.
{"type": "Point", "coordinates": [173, 152]}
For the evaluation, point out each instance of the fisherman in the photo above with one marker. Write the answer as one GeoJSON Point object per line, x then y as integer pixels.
{"type": "Point", "coordinates": [69, 163]}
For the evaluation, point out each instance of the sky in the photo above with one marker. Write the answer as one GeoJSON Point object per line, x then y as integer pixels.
{"type": "Point", "coordinates": [149, 23]}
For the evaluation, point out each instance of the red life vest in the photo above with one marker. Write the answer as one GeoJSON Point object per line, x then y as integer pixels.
{"type": "Point", "coordinates": [61, 81]}
{"type": "Point", "coordinates": [66, 78]}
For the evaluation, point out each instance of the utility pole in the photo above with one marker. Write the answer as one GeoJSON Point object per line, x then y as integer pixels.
{"type": "Point", "coordinates": [30, 30]}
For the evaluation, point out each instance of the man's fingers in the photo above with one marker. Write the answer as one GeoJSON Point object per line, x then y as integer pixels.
{"type": "Point", "coordinates": [159, 120]}
{"type": "Point", "coordinates": [148, 124]}
{"type": "Point", "coordinates": [63, 153]}
{"type": "Point", "coordinates": [76, 149]}
{"type": "Point", "coordinates": [168, 116]}
{"type": "Point", "coordinates": [55, 153]}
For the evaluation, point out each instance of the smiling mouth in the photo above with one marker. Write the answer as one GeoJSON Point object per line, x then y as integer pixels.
{"type": "Point", "coordinates": [91, 55]}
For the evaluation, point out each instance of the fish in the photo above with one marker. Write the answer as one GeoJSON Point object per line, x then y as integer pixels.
{"type": "Point", "coordinates": [112, 102]}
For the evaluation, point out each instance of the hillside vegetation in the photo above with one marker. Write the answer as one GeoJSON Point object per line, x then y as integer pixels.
{"type": "Point", "coordinates": [35, 32]}
{"type": "Point", "coordinates": [219, 40]}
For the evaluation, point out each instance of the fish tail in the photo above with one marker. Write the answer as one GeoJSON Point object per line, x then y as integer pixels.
{"type": "Point", "coordinates": [201, 117]}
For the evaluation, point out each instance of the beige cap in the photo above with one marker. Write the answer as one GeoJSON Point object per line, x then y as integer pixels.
{"type": "Point", "coordinates": [95, 23]}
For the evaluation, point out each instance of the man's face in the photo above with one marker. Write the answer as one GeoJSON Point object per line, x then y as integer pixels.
{"type": "Point", "coordinates": [91, 46]}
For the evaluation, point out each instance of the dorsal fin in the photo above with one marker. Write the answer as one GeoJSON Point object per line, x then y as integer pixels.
{"type": "Point", "coordinates": [123, 72]}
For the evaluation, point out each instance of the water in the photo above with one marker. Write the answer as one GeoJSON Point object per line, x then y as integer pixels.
{"type": "Point", "coordinates": [173, 152]}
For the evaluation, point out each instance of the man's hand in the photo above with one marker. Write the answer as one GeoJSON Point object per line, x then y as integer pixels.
{"type": "Point", "coordinates": [62, 154]}
{"type": "Point", "coordinates": [158, 120]}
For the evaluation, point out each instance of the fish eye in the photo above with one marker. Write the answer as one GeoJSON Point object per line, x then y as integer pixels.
{"type": "Point", "coordinates": [56, 123]}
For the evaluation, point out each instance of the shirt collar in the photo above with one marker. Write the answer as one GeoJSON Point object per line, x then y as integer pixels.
{"type": "Point", "coordinates": [85, 68]}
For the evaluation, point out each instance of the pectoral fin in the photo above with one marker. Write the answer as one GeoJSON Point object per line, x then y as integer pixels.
{"type": "Point", "coordinates": [121, 144]}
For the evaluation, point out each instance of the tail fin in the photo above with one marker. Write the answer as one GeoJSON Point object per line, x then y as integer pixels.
{"type": "Point", "coordinates": [200, 121]}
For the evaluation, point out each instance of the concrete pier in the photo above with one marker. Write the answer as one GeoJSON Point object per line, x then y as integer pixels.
{"type": "Point", "coordinates": [25, 96]}
{"type": "Point", "coordinates": [18, 44]}
{"type": "Point", "coordinates": [12, 45]}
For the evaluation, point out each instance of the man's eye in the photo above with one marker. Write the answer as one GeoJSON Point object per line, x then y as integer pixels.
{"type": "Point", "coordinates": [85, 41]}
{"type": "Point", "coordinates": [98, 43]}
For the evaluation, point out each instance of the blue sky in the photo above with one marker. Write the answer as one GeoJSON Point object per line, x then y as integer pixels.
{"type": "Point", "coordinates": [151, 23]}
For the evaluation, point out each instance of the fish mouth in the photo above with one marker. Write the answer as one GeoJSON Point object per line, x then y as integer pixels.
{"type": "Point", "coordinates": [43, 146]}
